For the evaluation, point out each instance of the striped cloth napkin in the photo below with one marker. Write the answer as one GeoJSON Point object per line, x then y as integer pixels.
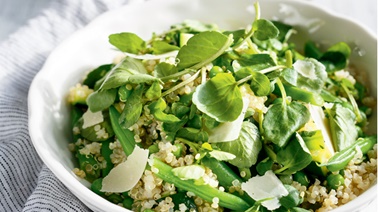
{"type": "Point", "coordinates": [26, 184]}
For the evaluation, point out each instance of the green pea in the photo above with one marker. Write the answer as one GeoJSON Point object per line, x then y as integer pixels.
{"type": "Point", "coordinates": [334, 181]}
{"type": "Point", "coordinates": [286, 179]}
{"type": "Point", "coordinates": [153, 148]}
{"type": "Point", "coordinates": [96, 187]}
{"type": "Point", "coordinates": [195, 122]}
{"type": "Point", "coordinates": [215, 70]}
{"type": "Point", "coordinates": [301, 178]}
{"type": "Point", "coordinates": [128, 203]}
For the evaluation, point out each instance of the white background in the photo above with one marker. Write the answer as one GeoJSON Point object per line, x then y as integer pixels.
{"type": "Point", "coordinates": [16, 13]}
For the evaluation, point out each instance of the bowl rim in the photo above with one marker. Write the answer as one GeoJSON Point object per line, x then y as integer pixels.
{"type": "Point", "coordinates": [70, 181]}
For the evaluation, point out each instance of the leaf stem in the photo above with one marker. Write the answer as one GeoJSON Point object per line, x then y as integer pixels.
{"type": "Point", "coordinates": [264, 71]}
{"type": "Point", "coordinates": [182, 84]}
{"type": "Point", "coordinates": [353, 102]}
{"type": "Point", "coordinates": [283, 92]}
{"type": "Point", "coordinates": [176, 75]}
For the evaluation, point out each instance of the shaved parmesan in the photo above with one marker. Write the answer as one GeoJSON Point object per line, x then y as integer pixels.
{"type": "Point", "coordinates": [229, 131]}
{"type": "Point", "coordinates": [267, 187]}
{"type": "Point", "coordinates": [91, 119]}
{"type": "Point", "coordinates": [127, 174]}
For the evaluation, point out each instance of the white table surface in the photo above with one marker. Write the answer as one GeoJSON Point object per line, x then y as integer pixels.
{"type": "Point", "coordinates": [363, 11]}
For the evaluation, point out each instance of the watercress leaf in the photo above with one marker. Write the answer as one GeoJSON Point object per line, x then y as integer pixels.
{"type": "Point", "coordinates": [283, 30]}
{"type": "Point", "coordinates": [192, 134]}
{"type": "Point", "coordinates": [237, 35]}
{"type": "Point", "coordinates": [246, 148]}
{"type": "Point", "coordinates": [292, 199]}
{"type": "Point", "coordinates": [127, 42]}
{"type": "Point", "coordinates": [100, 100]}
{"type": "Point", "coordinates": [312, 51]}
{"type": "Point", "coordinates": [175, 126]}
{"type": "Point", "coordinates": [264, 29]}
{"type": "Point", "coordinates": [221, 155]}
{"type": "Point", "coordinates": [262, 60]}
{"type": "Point", "coordinates": [290, 76]}
{"type": "Point", "coordinates": [219, 97]}
{"type": "Point", "coordinates": [282, 120]}
{"type": "Point", "coordinates": [333, 61]}
{"type": "Point", "coordinates": [230, 130]}
{"type": "Point", "coordinates": [311, 74]}
{"type": "Point", "coordinates": [154, 91]}
{"type": "Point", "coordinates": [191, 172]}
{"type": "Point", "coordinates": [129, 70]}
{"type": "Point", "coordinates": [260, 84]}
{"type": "Point", "coordinates": [164, 69]}
{"type": "Point", "coordinates": [225, 60]}
{"type": "Point", "coordinates": [342, 125]}
{"type": "Point", "coordinates": [264, 166]}
{"type": "Point", "coordinates": [157, 109]}
{"type": "Point", "coordinates": [341, 47]}
{"type": "Point", "coordinates": [210, 123]}
{"type": "Point", "coordinates": [133, 108]}
{"type": "Point", "coordinates": [96, 74]}
{"type": "Point", "coordinates": [294, 156]}
{"type": "Point", "coordinates": [179, 109]}
{"type": "Point", "coordinates": [202, 48]}
{"type": "Point", "coordinates": [160, 47]}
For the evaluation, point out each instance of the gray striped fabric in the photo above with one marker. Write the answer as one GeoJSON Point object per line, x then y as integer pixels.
{"type": "Point", "coordinates": [26, 184]}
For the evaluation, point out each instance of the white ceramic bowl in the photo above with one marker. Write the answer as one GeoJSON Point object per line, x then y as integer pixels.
{"type": "Point", "coordinates": [89, 48]}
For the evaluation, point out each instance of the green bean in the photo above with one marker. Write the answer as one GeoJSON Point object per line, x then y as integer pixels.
{"type": "Point", "coordinates": [225, 176]}
{"type": "Point", "coordinates": [334, 181]}
{"type": "Point", "coordinates": [125, 136]}
{"type": "Point", "coordinates": [341, 159]}
{"type": "Point", "coordinates": [205, 192]}
{"type": "Point", "coordinates": [106, 152]}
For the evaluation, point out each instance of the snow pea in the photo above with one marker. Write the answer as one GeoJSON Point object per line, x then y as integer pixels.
{"type": "Point", "coordinates": [206, 192]}
{"type": "Point", "coordinates": [106, 152]}
{"type": "Point", "coordinates": [125, 136]}
{"type": "Point", "coordinates": [225, 176]}
{"type": "Point", "coordinates": [341, 159]}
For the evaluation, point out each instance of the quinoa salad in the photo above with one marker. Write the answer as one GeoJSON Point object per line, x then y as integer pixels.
{"type": "Point", "coordinates": [199, 118]}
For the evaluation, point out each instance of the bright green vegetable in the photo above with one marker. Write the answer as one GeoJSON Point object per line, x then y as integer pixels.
{"type": "Point", "coordinates": [334, 181]}
{"type": "Point", "coordinates": [342, 158]}
{"type": "Point", "coordinates": [206, 192]}
{"type": "Point", "coordinates": [125, 136]}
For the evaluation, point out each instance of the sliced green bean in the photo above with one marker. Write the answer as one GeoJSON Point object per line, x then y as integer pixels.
{"type": "Point", "coordinates": [106, 152]}
{"type": "Point", "coordinates": [341, 159]}
{"type": "Point", "coordinates": [206, 192]}
{"type": "Point", "coordinates": [125, 136]}
{"type": "Point", "coordinates": [225, 176]}
{"type": "Point", "coordinates": [90, 166]}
